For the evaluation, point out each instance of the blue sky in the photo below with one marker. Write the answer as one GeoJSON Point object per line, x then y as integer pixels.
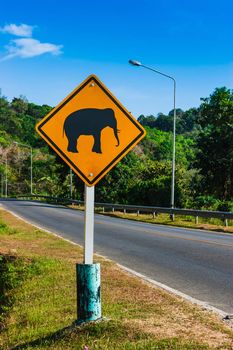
{"type": "Point", "coordinates": [47, 48]}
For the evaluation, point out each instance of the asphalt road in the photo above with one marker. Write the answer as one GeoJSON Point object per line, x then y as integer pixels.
{"type": "Point", "coordinates": [197, 263]}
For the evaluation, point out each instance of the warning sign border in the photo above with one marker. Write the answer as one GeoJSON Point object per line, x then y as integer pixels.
{"type": "Point", "coordinates": [93, 181]}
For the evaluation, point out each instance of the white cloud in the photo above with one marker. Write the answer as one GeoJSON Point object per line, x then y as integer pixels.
{"type": "Point", "coordinates": [28, 47]}
{"type": "Point", "coordinates": [21, 30]}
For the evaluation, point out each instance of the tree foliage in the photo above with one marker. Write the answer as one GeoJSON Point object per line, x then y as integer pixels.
{"type": "Point", "coordinates": [215, 143]}
{"type": "Point", "coordinates": [204, 157]}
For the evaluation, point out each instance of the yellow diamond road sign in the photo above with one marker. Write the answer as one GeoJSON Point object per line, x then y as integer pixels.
{"type": "Point", "coordinates": [91, 130]}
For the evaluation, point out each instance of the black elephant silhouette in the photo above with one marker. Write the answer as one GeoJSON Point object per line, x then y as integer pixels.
{"type": "Point", "coordinates": [89, 121]}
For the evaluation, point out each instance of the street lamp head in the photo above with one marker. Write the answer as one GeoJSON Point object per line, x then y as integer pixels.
{"type": "Point", "coordinates": [135, 63]}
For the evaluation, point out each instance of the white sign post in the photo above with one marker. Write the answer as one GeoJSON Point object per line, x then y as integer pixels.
{"type": "Point", "coordinates": [88, 274]}
{"type": "Point", "coordinates": [88, 110]}
{"type": "Point", "coordinates": [89, 224]}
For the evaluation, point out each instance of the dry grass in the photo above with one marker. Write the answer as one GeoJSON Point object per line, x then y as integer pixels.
{"type": "Point", "coordinates": [138, 307]}
{"type": "Point", "coordinates": [156, 312]}
{"type": "Point", "coordinates": [180, 221]}
{"type": "Point", "coordinates": [29, 240]}
{"type": "Point", "coordinates": [164, 219]}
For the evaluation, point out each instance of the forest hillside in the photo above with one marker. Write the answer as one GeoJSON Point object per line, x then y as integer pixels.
{"type": "Point", "coordinates": [204, 157]}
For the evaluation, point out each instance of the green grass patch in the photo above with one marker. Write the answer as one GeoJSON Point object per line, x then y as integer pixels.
{"type": "Point", "coordinates": [38, 291]}
{"type": "Point", "coordinates": [187, 221]}
{"type": "Point", "coordinates": [180, 220]}
{"type": "Point", "coordinates": [4, 229]}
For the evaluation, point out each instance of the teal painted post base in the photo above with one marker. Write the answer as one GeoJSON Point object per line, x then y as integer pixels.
{"type": "Point", "coordinates": [88, 292]}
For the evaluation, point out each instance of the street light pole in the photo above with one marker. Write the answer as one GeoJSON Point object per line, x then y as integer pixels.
{"type": "Point", "coordinates": [137, 63]}
{"type": "Point", "coordinates": [2, 184]}
{"type": "Point", "coordinates": [23, 145]}
{"type": "Point", "coordinates": [31, 167]}
{"type": "Point", "coordinates": [6, 180]}
{"type": "Point", "coordinates": [71, 184]}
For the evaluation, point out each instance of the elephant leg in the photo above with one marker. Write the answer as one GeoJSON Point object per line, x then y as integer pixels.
{"type": "Point", "coordinates": [72, 145]}
{"type": "Point", "coordinates": [97, 146]}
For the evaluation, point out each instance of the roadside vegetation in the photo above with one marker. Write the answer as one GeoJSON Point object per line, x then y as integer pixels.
{"type": "Point", "coordinates": [211, 224]}
{"type": "Point", "coordinates": [38, 302]}
{"type": "Point", "coordinates": [179, 221]}
{"type": "Point", "coordinates": [204, 158]}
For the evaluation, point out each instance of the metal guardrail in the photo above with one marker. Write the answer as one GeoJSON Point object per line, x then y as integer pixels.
{"type": "Point", "coordinates": [225, 216]}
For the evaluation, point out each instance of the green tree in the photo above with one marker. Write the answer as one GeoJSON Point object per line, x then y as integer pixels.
{"type": "Point", "coordinates": [147, 121]}
{"type": "Point", "coordinates": [9, 123]}
{"type": "Point", "coordinates": [151, 184]}
{"type": "Point", "coordinates": [164, 122]}
{"type": "Point", "coordinates": [187, 122]}
{"type": "Point", "coordinates": [215, 143]}
{"type": "Point", "coordinates": [116, 185]}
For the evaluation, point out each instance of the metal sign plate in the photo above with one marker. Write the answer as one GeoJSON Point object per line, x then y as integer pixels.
{"type": "Point", "coordinates": [91, 130]}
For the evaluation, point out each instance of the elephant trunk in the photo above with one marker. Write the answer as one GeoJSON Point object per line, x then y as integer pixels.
{"type": "Point", "coordinates": [116, 136]}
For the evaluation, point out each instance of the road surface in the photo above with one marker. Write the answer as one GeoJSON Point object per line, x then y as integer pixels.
{"type": "Point", "coordinates": [197, 263]}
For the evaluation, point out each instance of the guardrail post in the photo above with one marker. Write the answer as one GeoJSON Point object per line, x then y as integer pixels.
{"type": "Point", "coordinates": [223, 216]}
{"type": "Point", "coordinates": [153, 215]}
{"type": "Point", "coordinates": [172, 217]}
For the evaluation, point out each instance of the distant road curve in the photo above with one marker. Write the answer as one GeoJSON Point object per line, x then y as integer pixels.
{"type": "Point", "coordinates": [197, 263]}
